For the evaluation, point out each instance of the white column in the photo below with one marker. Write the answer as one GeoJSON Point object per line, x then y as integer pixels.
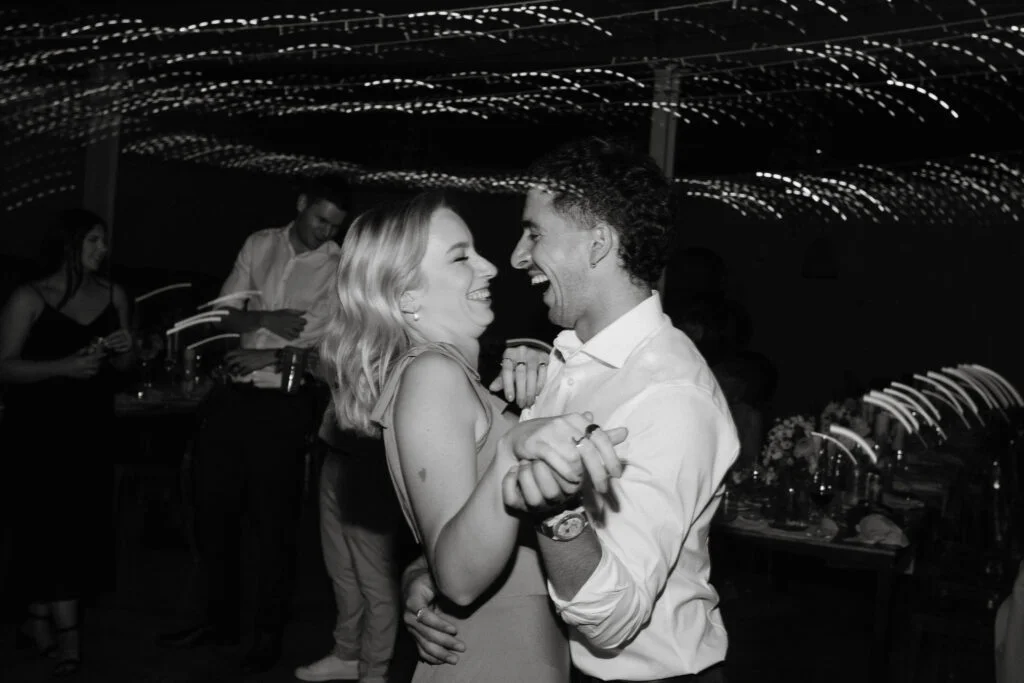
{"type": "Point", "coordinates": [103, 147]}
{"type": "Point", "coordinates": [663, 127]}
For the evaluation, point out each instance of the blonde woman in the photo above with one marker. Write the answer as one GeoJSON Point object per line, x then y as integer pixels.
{"type": "Point", "coordinates": [1009, 634]}
{"type": "Point", "coordinates": [414, 298]}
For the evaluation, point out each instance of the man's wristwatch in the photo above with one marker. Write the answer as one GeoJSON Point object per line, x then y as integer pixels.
{"type": "Point", "coordinates": [566, 525]}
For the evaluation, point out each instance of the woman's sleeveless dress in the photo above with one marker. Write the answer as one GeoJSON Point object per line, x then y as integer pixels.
{"type": "Point", "coordinates": [57, 445]}
{"type": "Point", "coordinates": [511, 633]}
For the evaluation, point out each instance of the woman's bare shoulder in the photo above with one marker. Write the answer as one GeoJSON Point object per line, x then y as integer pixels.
{"type": "Point", "coordinates": [434, 383]}
{"type": "Point", "coordinates": [28, 297]}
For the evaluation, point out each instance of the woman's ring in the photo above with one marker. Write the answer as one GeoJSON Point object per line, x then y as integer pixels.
{"type": "Point", "coordinates": [419, 613]}
{"type": "Point", "coordinates": [522, 362]}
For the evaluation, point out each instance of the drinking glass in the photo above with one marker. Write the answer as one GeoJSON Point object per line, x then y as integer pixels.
{"type": "Point", "coordinates": [147, 347]}
{"type": "Point", "coordinates": [825, 483]}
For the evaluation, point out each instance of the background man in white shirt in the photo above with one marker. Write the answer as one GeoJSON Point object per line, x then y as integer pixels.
{"type": "Point", "coordinates": [251, 445]}
{"type": "Point", "coordinates": [626, 553]}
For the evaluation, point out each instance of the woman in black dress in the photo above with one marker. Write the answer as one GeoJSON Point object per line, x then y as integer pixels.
{"type": "Point", "coordinates": [62, 336]}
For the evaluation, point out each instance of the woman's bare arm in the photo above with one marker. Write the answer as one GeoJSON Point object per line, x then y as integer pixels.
{"type": "Point", "coordinates": [468, 535]}
{"type": "Point", "coordinates": [16, 319]}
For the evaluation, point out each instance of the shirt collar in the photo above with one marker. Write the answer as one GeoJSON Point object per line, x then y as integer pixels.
{"type": "Point", "coordinates": [615, 343]}
{"type": "Point", "coordinates": [328, 248]}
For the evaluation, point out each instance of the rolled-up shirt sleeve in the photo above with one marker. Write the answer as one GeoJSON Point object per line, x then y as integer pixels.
{"type": "Point", "coordinates": [240, 277]}
{"type": "Point", "coordinates": [674, 448]}
{"type": "Point", "coordinates": [320, 313]}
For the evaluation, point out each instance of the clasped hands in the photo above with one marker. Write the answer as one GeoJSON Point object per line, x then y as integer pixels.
{"type": "Point", "coordinates": [555, 457]}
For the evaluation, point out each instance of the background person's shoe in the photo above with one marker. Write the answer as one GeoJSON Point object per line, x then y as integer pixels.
{"type": "Point", "coordinates": [330, 668]}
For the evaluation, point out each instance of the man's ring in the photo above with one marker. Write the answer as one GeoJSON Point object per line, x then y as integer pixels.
{"type": "Point", "coordinates": [591, 428]}
{"type": "Point", "coordinates": [419, 613]}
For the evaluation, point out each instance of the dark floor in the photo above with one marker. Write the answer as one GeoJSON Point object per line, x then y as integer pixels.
{"type": "Point", "coordinates": [816, 629]}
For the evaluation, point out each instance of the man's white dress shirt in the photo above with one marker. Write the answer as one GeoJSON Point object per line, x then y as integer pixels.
{"type": "Point", "coordinates": [268, 262]}
{"type": "Point", "coordinates": [648, 611]}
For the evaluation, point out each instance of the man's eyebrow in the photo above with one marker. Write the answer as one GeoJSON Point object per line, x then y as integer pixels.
{"type": "Point", "coordinates": [527, 224]}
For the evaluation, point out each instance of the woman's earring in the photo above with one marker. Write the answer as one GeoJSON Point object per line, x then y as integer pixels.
{"type": "Point", "coordinates": [415, 317]}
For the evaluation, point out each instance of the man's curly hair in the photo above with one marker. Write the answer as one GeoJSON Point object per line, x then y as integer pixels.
{"type": "Point", "coordinates": [597, 180]}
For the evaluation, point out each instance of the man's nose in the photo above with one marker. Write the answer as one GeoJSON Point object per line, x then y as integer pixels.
{"type": "Point", "coordinates": [521, 255]}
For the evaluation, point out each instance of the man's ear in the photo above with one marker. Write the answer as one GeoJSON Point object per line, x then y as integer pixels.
{"type": "Point", "coordinates": [302, 203]}
{"type": "Point", "coordinates": [604, 241]}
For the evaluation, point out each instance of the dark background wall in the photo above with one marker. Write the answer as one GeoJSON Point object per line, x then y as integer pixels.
{"type": "Point", "coordinates": [907, 297]}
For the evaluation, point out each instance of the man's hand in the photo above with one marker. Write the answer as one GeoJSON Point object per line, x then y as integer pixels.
{"type": "Point", "coordinates": [245, 361]}
{"type": "Point", "coordinates": [534, 487]}
{"type": "Point", "coordinates": [287, 323]}
{"type": "Point", "coordinates": [570, 445]}
{"type": "Point", "coordinates": [435, 637]}
{"type": "Point", "coordinates": [524, 370]}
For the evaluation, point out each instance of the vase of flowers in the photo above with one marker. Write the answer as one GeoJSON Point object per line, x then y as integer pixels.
{"type": "Point", "coordinates": [790, 458]}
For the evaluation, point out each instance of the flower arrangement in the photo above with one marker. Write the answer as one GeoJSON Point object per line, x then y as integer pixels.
{"type": "Point", "coordinates": [853, 414]}
{"type": "Point", "coordinates": [837, 412]}
{"type": "Point", "coordinates": [790, 448]}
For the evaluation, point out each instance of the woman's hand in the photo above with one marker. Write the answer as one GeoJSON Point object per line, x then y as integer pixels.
{"type": "Point", "coordinates": [119, 342]}
{"type": "Point", "coordinates": [83, 364]}
{"type": "Point", "coordinates": [533, 487]}
{"type": "Point", "coordinates": [570, 445]}
{"type": "Point", "coordinates": [524, 370]}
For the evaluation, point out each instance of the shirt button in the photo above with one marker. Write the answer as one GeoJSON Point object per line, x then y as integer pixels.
{"type": "Point", "coordinates": [570, 381]}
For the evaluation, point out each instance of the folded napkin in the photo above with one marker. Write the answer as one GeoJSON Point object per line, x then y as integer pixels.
{"type": "Point", "coordinates": [829, 528]}
{"type": "Point", "coordinates": [919, 485]}
{"type": "Point", "coordinates": [896, 503]}
{"type": "Point", "coordinates": [876, 528]}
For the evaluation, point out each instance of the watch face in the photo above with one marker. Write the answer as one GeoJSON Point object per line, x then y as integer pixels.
{"type": "Point", "coordinates": [570, 527]}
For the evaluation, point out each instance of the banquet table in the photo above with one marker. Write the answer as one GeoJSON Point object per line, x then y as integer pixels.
{"type": "Point", "coordinates": [160, 400]}
{"type": "Point", "coordinates": [156, 429]}
{"type": "Point", "coordinates": [927, 481]}
{"type": "Point", "coordinates": [885, 561]}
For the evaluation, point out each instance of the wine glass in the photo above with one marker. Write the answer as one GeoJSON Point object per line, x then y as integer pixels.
{"type": "Point", "coordinates": [824, 485]}
{"type": "Point", "coordinates": [147, 347]}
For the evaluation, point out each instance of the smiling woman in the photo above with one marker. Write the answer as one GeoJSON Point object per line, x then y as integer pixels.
{"type": "Point", "coordinates": [454, 300]}
{"type": "Point", "coordinates": [414, 299]}
{"type": "Point", "coordinates": [62, 336]}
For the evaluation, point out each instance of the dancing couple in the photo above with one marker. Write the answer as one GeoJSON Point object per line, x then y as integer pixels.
{"type": "Point", "coordinates": [575, 537]}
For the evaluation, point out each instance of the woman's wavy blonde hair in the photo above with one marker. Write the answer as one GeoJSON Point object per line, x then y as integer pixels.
{"type": "Point", "coordinates": [380, 261]}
